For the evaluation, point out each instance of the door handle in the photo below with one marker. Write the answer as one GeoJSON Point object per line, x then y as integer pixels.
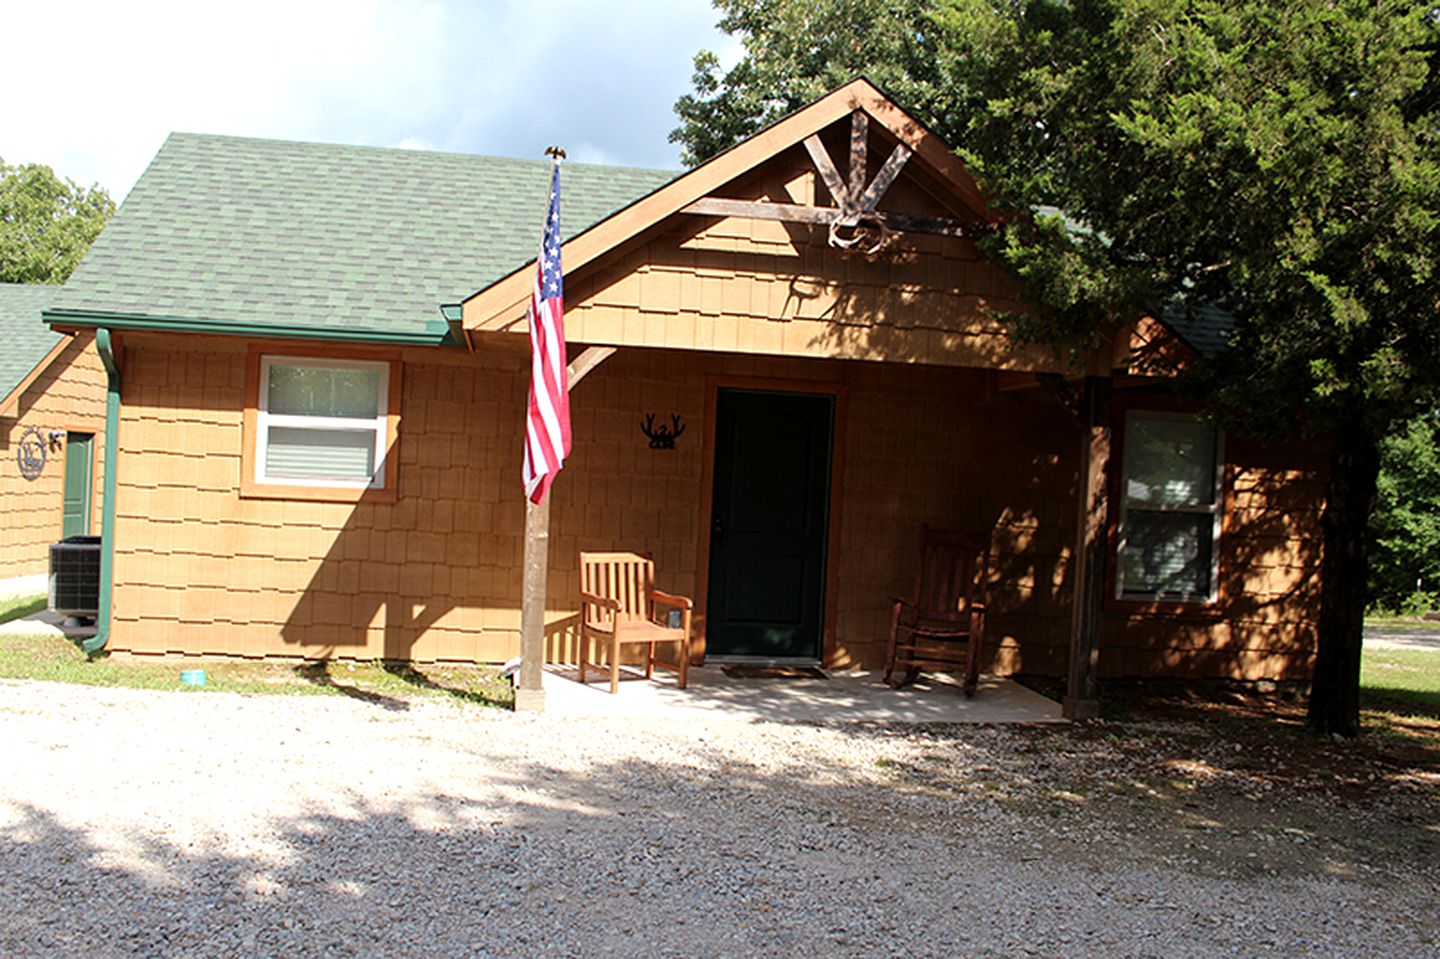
{"type": "Point", "coordinates": [717, 530]}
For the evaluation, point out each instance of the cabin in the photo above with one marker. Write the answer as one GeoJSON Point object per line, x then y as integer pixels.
{"type": "Point", "coordinates": [52, 426]}
{"type": "Point", "coordinates": [320, 365]}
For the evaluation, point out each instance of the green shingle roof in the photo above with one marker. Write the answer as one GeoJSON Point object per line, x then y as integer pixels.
{"type": "Point", "coordinates": [1205, 326]}
{"type": "Point", "coordinates": [24, 337]}
{"type": "Point", "coordinates": [348, 240]}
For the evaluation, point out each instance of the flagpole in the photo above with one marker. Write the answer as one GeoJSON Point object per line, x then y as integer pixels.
{"type": "Point", "coordinates": [530, 690]}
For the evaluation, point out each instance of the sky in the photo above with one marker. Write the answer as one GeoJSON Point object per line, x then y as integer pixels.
{"type": "Point", "coordinates": [95, 87]}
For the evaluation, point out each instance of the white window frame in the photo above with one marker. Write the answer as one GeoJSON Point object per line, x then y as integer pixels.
{"type": "Point", "coordinates": [1214, 508]}
{"type": "Point", "coordinates": [377, 425]}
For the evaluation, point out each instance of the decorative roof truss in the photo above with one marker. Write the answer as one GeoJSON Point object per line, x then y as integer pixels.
{"type": "Point", "coordinates": [856, 221]}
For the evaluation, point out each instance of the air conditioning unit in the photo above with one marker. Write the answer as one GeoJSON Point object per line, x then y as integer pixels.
{"type": "Point", "coordinates": [75, 577]}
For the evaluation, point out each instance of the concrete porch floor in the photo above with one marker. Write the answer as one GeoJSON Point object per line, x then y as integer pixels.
{"type": "Point", "coordinates": [847, 696]}
{"type": "Point", "coordinates": [858, 697]}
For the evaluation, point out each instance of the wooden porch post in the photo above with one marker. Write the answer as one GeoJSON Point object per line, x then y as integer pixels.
{"type": "Point", "coordinates": [529, 693]}
{"type": "Point", "coordinates": [1081, 698]}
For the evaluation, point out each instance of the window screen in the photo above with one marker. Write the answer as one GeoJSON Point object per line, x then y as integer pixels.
{"type": "Point", "coordinates": [1170, 508]}
{"type": "Point", "coordinates": [322, 423]}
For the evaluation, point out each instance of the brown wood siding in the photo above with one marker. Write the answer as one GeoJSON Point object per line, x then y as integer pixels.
{"type": "Point", "coordinates": [1263, 625]}
{"type": "Point", "coordinates": [199, 568]}
{"type": "Point", "coordinates": [68, 395]}
{"type": "Point", "coordinates": [436, 575]}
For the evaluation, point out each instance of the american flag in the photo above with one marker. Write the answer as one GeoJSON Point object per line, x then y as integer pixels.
{"type": "Point", "coordinates": [547, 426]}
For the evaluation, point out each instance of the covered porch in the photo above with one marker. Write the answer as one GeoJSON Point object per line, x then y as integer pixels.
{"type": "Point", "coordinates": [849, 387]}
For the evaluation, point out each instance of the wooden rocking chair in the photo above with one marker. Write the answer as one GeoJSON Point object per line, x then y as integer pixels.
{"type": "Point", "coordinates": [942, 627]}
{"type": "Point", "coordinates": [619, 606]}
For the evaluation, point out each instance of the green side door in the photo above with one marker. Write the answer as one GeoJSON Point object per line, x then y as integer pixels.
{"type": "Point", "coordinates": [79, 483]}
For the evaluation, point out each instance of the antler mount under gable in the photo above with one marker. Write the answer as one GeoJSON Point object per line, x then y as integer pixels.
{"type": "Point", "coordinates": [856, 221]}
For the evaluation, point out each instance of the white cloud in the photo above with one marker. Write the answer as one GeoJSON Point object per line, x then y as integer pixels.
{"type": "Point", "coordinates": [96, 86]}
{"type": "Point", "coordinates": [587, 152]}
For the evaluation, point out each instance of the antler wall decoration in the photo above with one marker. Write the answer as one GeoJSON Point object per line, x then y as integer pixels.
{"type": "Point", "coordinates": [663, 437]}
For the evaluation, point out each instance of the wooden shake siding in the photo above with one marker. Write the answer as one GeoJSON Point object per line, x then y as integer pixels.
{"type": "Point", "coordinates": [927, 445]}
{"type": "Point", "coordinates": [68, 395]}
{"type": "Point", "coordinates": [436, 574]}
{"type": "Point", "coordinates": [201, 569]}
{"type": "Point", "coordinates": [1263, 627]}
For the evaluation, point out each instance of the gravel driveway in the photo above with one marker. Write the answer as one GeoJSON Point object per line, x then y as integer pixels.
{"type": "Point", "coordinates": [169, 824]}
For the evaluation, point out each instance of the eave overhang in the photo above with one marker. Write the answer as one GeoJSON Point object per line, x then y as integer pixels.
{"type": "Point", "coordinates": [436, 332]}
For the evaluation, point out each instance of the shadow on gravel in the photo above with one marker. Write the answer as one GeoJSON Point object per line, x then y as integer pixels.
{"type": "Point", "coordinates": [1010, 841]}
{"type": "Point", "coordinates": [407, 672]}
{"type": "Point", "coordinates": [319, 675]}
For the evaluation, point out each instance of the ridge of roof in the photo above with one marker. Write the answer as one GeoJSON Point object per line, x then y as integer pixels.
{"type": "Point", "coordinates": [286, 234]}
{"type": "Point", "coordinates": [425, 156]}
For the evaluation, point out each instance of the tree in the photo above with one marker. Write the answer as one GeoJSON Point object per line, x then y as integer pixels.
{"type": "Point", "coordinates": [1405, 565]}
{"type": "Point", "coordinates": [795, 53]}
{"type": "Point", "coordinates": [46, 224]}
{"type": "Point", "coordinates": [1279, 160]}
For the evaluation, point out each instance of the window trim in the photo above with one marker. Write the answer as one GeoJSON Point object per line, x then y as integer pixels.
{"type": "Point", "coordinates": [258, 420]}
{"type": "Point", "coordinates": [1157, 602]}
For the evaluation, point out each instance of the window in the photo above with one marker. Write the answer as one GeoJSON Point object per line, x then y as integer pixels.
{"type": "Point", "coordinates": [1169, 509]}
{"type": "Point", "coordinates": [321, 423]}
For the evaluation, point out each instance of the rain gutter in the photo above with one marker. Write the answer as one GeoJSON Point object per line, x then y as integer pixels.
{"type": "Point", "coordinates": [106, 350]}
{"type": "Point", "coordinates": [435, 333]}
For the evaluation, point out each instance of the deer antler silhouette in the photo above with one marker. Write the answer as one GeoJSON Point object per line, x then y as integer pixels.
{"type": "Point", "coordinates": [662, 437]}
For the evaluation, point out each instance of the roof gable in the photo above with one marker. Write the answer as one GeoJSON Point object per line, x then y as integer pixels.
{"type": "Point", "coordinates": [500, 303]}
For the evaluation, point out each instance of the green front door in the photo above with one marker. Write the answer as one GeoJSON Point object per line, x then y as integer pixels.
{"type": "Point", "coordinates": [769, 524]}
{"type": "Point", "coordinates": [79, 482]}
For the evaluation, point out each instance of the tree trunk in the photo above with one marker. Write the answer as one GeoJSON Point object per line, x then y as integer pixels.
{"type": "Point", "coordinates": [1349, 500]}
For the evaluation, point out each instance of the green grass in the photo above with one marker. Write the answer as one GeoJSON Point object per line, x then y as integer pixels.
{"type": "Point", "coordinates": [18, 607]}
{"type": "Point", "coordinates": [389, 685]}
{"type": "Point", "coordinates": [1400, 691]}
{"type": "Point", "coordinates": [1388, 671]}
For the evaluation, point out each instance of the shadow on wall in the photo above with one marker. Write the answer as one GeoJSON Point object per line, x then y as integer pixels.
{"type": "Point", "coordinates": [433, 575]}
{"type": "Point", "coordinates": [920, 299]}
{"type": "Point", "coordinates": [1263, 625]}
{"type": "Point", "coordinates": [437, 574]}
{"type": "Point", "coordinates": [426, 596]}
